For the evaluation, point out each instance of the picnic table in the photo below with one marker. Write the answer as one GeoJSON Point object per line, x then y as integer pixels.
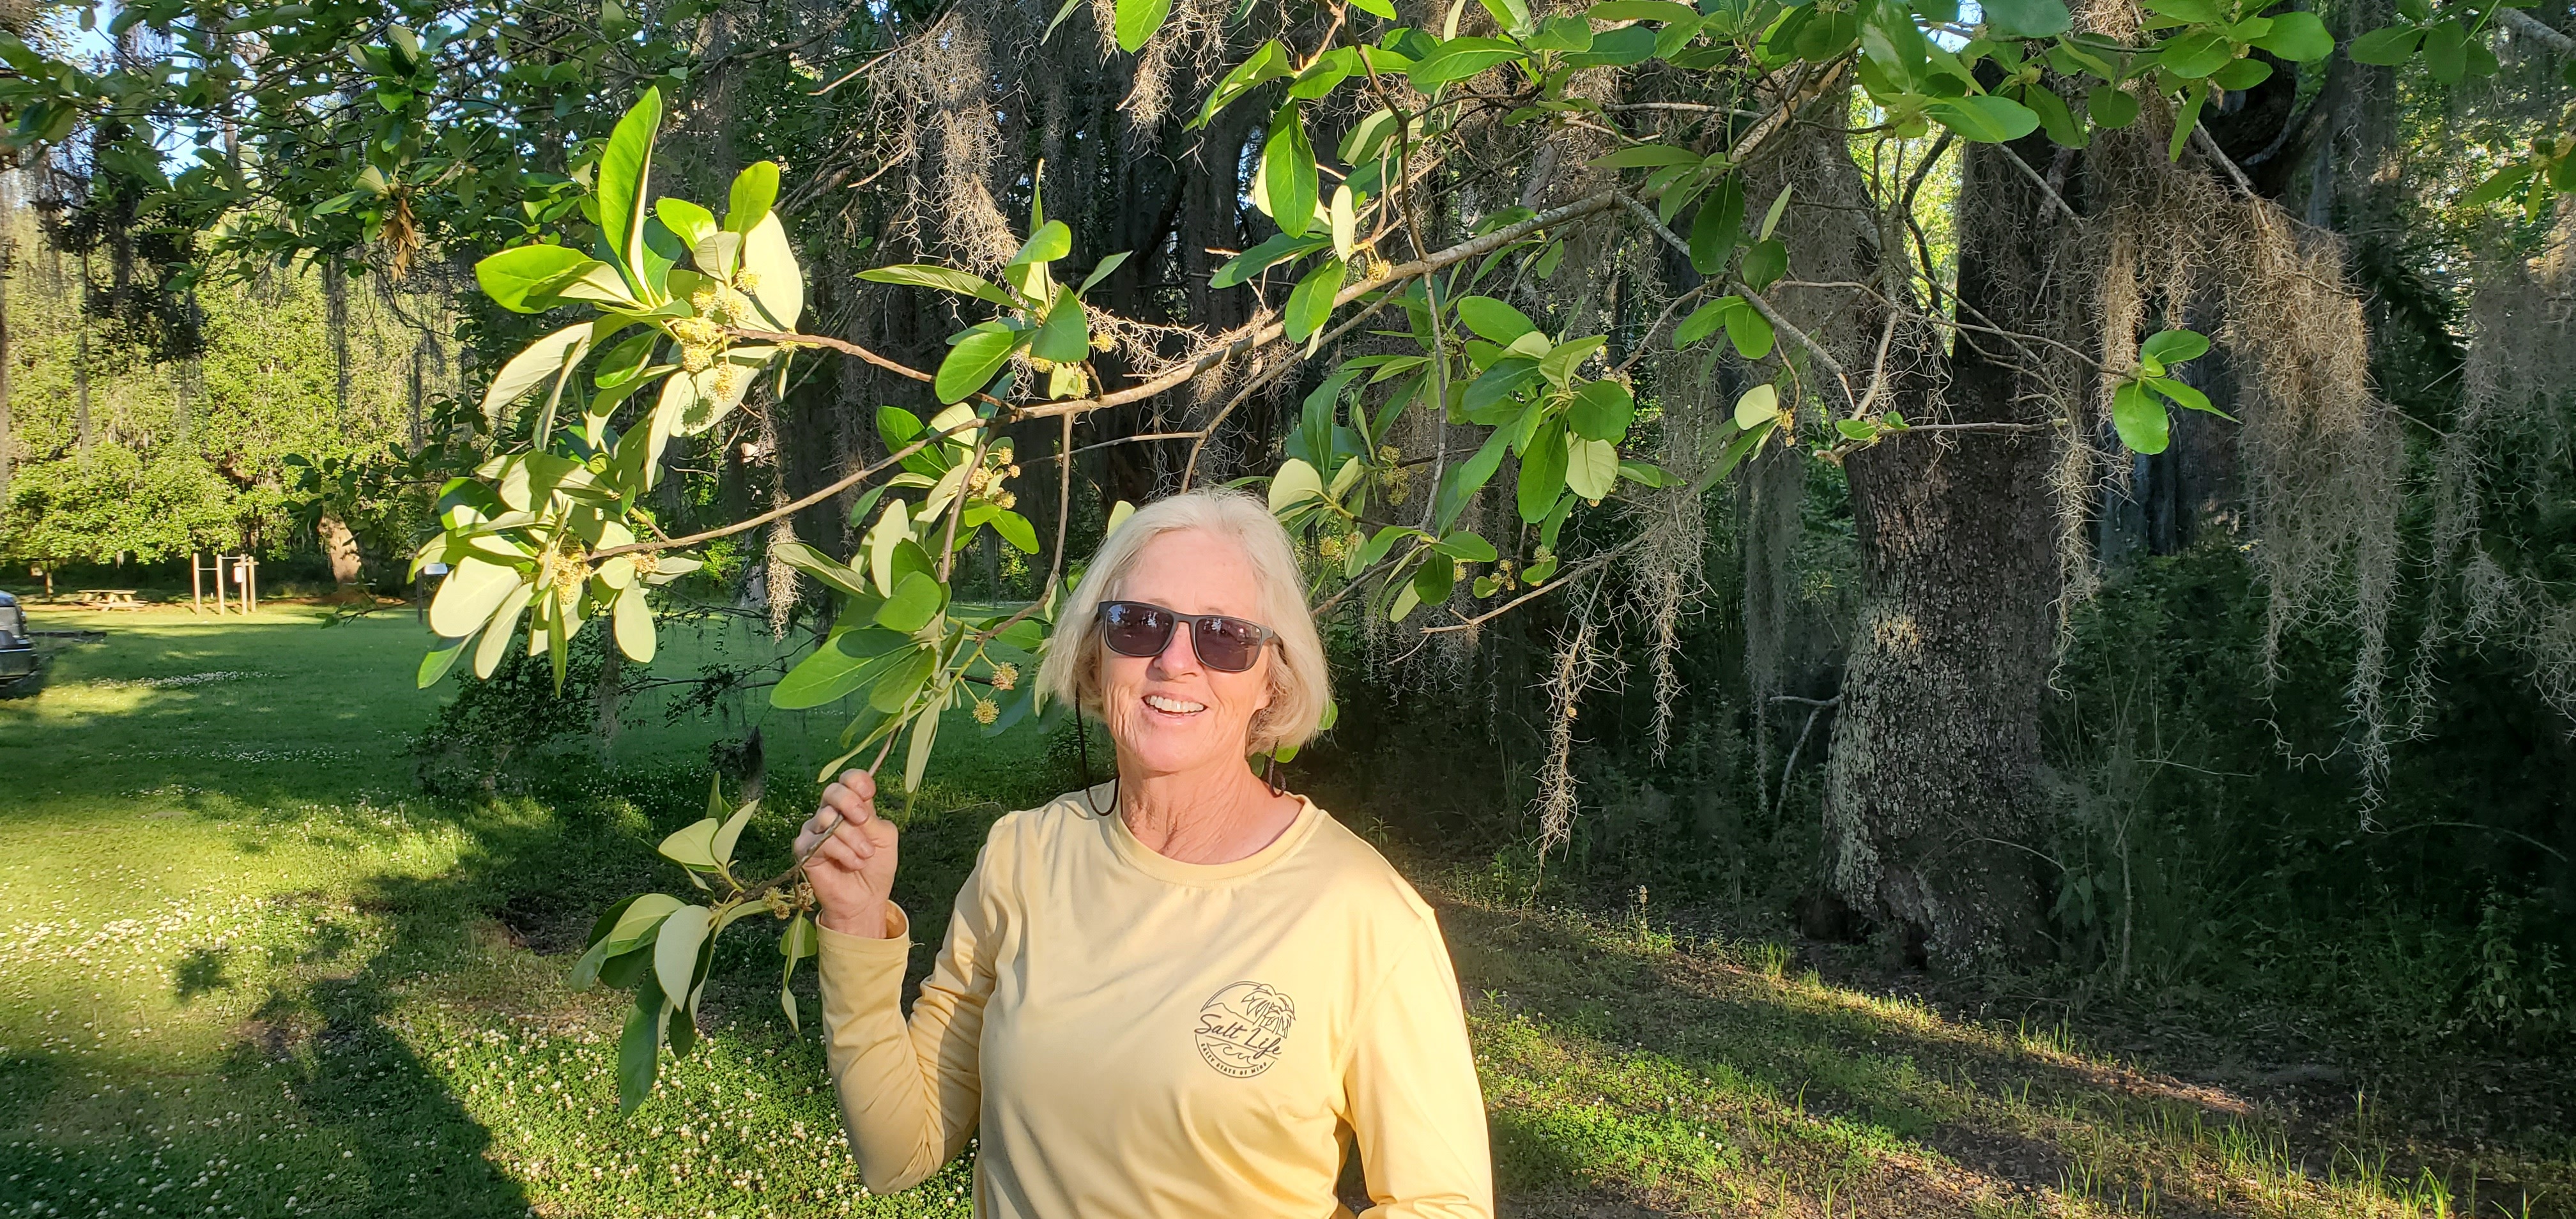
{"type": "Point", "coordinates": [108, 598]}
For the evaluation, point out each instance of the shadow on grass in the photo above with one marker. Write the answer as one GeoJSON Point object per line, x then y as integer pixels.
{"type": "Point", "coordinates": [1677, 1078]}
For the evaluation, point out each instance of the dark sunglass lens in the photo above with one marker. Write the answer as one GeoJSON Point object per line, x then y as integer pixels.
{"type": "Point", "coordinates": [1135, 630]}
{"type": "Point", "coordinates": [1230, 644]}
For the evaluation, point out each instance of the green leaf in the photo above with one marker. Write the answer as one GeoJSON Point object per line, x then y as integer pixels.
{"type": "Point", "coordinates": [925, 730]}
{"type": "Point", "coordinates": [2186, 396]}
{"type": "Point", "coordinates": [682, 1029]}
{"type": "Point", "coordinates": [522, 279]}
{"type": "Point", "coordinates": [1705, 320]}
{"type": "Point", "coordinates": [1750, 332]}
{"type": "Point", "coordinates": [623, 170]}
{"type": "Point", "coordinates": [1460, 58]}
{"type": "Point", "coordinates": [690, 222]}
{"type": "Point", "coordinates": [435, 663]}
{"type": "Point", "coordinates": [945, 279]}
{"type": "Point", "coordinates": [970, 364]}
{"type": "Point", "coordinates": [1344, 212]}
{"type": "Point", "coordinates": [1559, 363]}
{"type": "Point", "coordinates": [1383, 9]}
{"type": "Point", "coordinates": [1779, 207]}
{"type": "Point", "coordinates": [731, 832]}
{"type": "Point", "coordinates": [2197, 12]}
{"type": "Point", "coordinates": [821, 566]}
{"type": "Point", "coordinates": [917, 599]}
{"type": "Point", "coordinates": [1626, 45]}
{"type": "Point", "coordinates": [2059, 122]}
{"type": "Point", "coordinates": [1288, 173]}
{"type": "Point", "coordinates": [901, 681]}
{"type": "Point", "coordinates": [1602, 410]}
{"type": "Point", "coordinates": [2498, 186]}
{"type": "Point", "coordinates": [1757, 406]}
{"type": "Point", "coordinates": [1310, 303]}
{"type": "Point", "coordinates": [1645, 474]}
{"type": "Point", "coordinates": [1296, 483]}
{"type": "Point", "coordinates": [2446, 52]}
{"type": "Point", "coordinates": [1984, 118]}
{"type": "Point", "coordinates": [1591, 468]}
{"type": "Point", "coordinates": [639, 1049]}
{"type": "Point", "coordinates": [1265, 65]}
{"type": "Point", "coordinates": [1642, 10]}
{"type": "Point", "coordinates": [505, 623]}
{"type": "Point", "coordinates": [755, 191]}
{"type": "Point", "coordinates": [1512, 15]}
{"type": "Point", "coordinates": [2297, 37]}
{"type": "Point", "coordinates": [847, 662]}
{"type": "Point", "coordinates": [1406, 601]}
{"type": "Point", "coordinates": [1434, 580]}
{"type": "Point", "coordinates": [1064, 335]}
{"type": "Point", "coordinates": [779, 284]}
{"type": "Point", "coordinates": [2186, 121]}
{"type": "Point", "coordinates": [2174, 346]}
{"type": "Point", "coordinates": [2193, 56]}
{"type": "Point", "coordinates": [1718, 227]}
{"type": "Point", "coordinates": [2028, 18]}
{"type": "Point", "coordinates": [1062, 11]}
{"type": "Point", "coordinates": [1498, 384]}
{"type": "Point", "coordinates": [2139, 419]}
{"type": "Point", "coordinates": [1278, 248]}
{"type": "Point", "coordinates": [469, 594]}
{"type": "Point", "coordinates": [1137, 21]}
{"type": "Point", "coordinates": [634, 625]}
{"type": "Point", "coordinates": [2385, 47]}
{"type": "Point", "coordinates": [1765, 263]}
{"type": "Point", "coordinates": [1494, 320]}
{"type": "Point", "coordinates": [692, 845]}
{"type": "Point", "coordinates": [1324, 75]}
{"type": "Point", "coordinates": [2112, 106]}
{"type": "Point", "coordinates": [1101, 270]}
{"type": "Point", "coordinates": [1015, 529]}
{"type": "Point", "coordinates": [1466, 548]}
{"type": "Point", "coordinates": [1543, 466]}
{"type": "Point", "coordinates": [1051, 241]}
{"type": "Point", "coordinates": [675, 951]}
{"type": "Point", "coordinates": [1459, 486]}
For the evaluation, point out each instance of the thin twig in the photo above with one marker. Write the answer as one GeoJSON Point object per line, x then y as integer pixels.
{"type": "Point", "coordinates": [2201, 139]}
{"type": "Point", "coordinates": [2042, 183]}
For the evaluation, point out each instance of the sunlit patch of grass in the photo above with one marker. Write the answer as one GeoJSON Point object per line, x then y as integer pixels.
{"type": "Point", "coordinates": [244, 970]}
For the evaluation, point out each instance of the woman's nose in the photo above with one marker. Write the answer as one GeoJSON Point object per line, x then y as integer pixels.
{"type": "Point", "coordinates": [1179, 654]}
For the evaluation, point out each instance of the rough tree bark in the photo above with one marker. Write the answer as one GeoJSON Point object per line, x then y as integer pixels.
{"type": "Point", "coordinates": [1931, 791]}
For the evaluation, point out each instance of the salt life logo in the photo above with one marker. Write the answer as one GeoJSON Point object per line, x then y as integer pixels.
{"type": "Point", "coordinates": [1242, 1027]}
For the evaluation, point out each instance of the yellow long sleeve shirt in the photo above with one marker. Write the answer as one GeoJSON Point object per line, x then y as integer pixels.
{"type": "Point", "coordinates": [1134, 1035]}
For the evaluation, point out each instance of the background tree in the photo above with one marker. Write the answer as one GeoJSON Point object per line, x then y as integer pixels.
{"type": "Point", "coordinates": [1523, 314]}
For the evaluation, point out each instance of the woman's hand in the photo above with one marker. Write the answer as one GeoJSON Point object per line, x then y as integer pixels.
{"type": "Point", "coordinates": [853, 869]}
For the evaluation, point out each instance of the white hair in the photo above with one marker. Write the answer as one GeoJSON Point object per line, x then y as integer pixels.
{"type": "Point", "coordinates": [1300, 686]}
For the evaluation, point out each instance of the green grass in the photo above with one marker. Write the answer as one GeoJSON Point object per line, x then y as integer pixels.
{"type": "Point", "coordinates": [246, 970]}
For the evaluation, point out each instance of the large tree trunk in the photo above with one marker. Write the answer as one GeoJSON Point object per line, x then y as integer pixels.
{"type": "Point", "coordinates": [340, 546]}
{"type": "Point", "coordinates": [1931, 792]}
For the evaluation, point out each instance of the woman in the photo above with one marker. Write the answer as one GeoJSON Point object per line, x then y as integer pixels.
{"type": "Point", "coordinates": [1181, 993]}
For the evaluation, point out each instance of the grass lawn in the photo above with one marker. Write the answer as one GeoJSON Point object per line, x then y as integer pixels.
{"type": "Point", "coordinates": [246, 970]}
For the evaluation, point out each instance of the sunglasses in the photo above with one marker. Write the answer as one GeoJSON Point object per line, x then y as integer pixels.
{"type": "Point", "coordinates": [1142, 629]}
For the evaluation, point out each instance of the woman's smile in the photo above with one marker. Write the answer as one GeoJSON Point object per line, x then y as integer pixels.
{"type": "Point", "coordinates": [1179, 708]}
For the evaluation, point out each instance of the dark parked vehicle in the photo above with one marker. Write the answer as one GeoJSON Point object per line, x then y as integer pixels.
{"type": "Point", "coordinates": [21, 666]}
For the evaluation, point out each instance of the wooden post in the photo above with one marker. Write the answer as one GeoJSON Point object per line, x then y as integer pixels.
{"type": "Point", "coordinates": [219, 584]}
{"type": "Point", "coordinates": [196, 586]}
{"type": "Point", "coordinates": [250, 582]}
